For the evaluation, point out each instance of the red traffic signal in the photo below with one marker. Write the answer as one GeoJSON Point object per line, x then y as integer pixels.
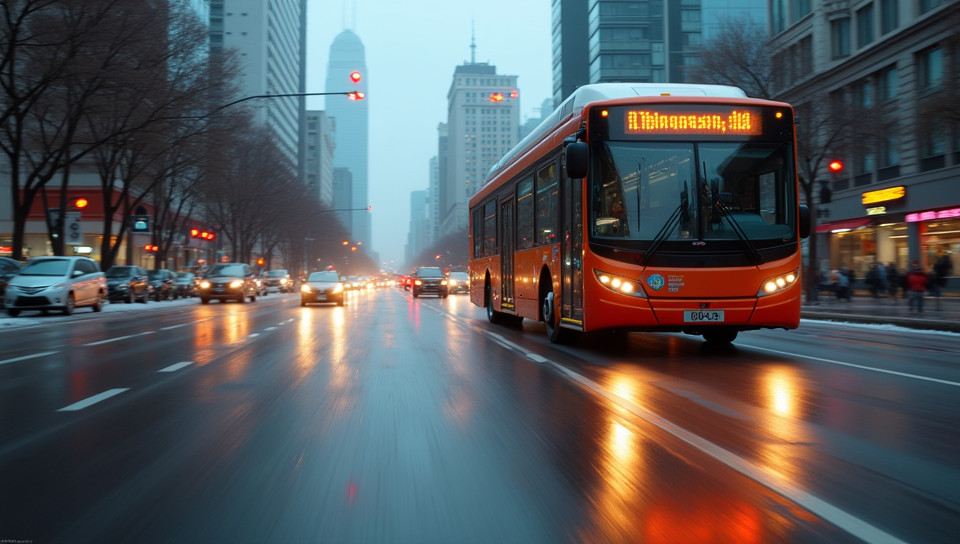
{"type": "Point", "coordinates": [355, 76]}
{"type": "Point", "coordinates": [835, 166]}
{"type": "Point", "coordinates": [150, 248]}
{"type": "Point", "coordinates": [356, 95]}
{"type": "Point", "coordinates": [496, 97]}
{"type": "Point", "coordinates": [80, 203]}
{"type": "Point", "coordinates": [194, 232]}
{"type": "Point", "coordinates": [207, 235]}
{"type": "Point", "coordinates": [260, 261]}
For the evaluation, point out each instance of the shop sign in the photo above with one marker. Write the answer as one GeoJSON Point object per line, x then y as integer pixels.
{"type": "Point", "coordinates": [951, 213]}
{"type": "Point", "coordinates": [878, 210]}
{"type": "Point", "coordinates": [883, 195]}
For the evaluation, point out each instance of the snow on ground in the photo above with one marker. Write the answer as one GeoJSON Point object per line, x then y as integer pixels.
{"type": "Point", "coordinates": [29, 318]}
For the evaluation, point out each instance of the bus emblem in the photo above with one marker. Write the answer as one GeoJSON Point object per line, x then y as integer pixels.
{"type": "Point", "coordinates": [655, 282]}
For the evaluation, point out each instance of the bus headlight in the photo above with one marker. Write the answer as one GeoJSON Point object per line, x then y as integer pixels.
{"type": "Point", "coordinates": [620, 284]}
{"type": "Point", "coordinates": [779, 283]}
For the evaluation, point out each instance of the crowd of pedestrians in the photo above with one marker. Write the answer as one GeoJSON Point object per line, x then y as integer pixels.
{"type": "Point", "coordinates": [887, 281]}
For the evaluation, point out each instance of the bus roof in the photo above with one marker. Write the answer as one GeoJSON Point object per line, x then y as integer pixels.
{"type": "Point", "coordinates": [610, 91]}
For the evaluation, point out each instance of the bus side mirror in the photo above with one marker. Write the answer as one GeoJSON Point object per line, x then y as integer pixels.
{"type": "Point", "coordinates": [804, 221]}
{"type": "Point", "coordinates": [576, 158]}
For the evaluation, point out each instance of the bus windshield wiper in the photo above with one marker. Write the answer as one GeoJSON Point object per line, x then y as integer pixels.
{"type": "Point", "coordinates": [667, 227]}
{"type": "Point", "coordinates": [737, 229]}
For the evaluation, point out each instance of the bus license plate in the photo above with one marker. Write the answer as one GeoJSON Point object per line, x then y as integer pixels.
{"type": "Point", "coordinates": [703, 316]}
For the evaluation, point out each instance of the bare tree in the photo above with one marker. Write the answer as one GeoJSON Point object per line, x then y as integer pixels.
{"type": "Point", "coordinates": [738, 57]}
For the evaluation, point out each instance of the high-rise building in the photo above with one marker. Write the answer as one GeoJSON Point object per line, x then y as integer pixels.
{"type": "Point", "coordinates": [320, 147]}
{"type": "Point", "coordinates": [268, 34]}
{"type": "Point", "coordinates": [874, 84]}
{"type": "Point", "coordinates": [417, 232]}
{"type": "Point", "coordinates": [342, 194]}
{"type": "Point", "coordinates": [433, 199]}
{"type": "Point", "coordinates": [351, 127]}
{"type": "Point", "coordinates": [483, 120]}
{"type": "Point", "coordinates": [635, 40]}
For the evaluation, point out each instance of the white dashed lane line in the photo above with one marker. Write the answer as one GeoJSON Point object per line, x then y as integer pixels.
{"type": "Point", "coordinates": [90, 401]}
{"type": "Point", "coordinates": [175, 367]}
{"type": "Point", "coordinates": [27, 357]}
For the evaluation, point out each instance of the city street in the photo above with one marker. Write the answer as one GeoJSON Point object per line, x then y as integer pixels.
{"type": "Point", "coordinates": [395, 419]}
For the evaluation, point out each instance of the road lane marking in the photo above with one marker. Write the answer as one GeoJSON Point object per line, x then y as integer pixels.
{"type": "Point", "coordinates": [861, 367]}
{"type": "Point", "coordinates": [823, 509]}
{"type": "Point", "coordinates": [90, 401]}
{"type": "Point", "coordinates": [171, 327]}
{"type": "Point", "coordinates": [25, 357]}
{"type": "Point", "coordinates": [117, 339]}
{"type": "Point", "coordinates": [270, 329]}
{"type": "Point", "coordinates": [176, 366]}
{"type": "Point", "coordinates": [253, 335]}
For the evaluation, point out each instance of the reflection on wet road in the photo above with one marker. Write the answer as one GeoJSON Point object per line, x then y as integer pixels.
{"type": "Point", "coordinates": [393, 419]}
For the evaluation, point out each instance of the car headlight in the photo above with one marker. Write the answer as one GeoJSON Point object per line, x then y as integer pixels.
{"type": "Point", "coordinates": [338, 288]}
{"type": "Point", "coordinates": [283, 281]}
{"type": "Point", "coordinates": [443, 282]}
{"type": "Point", "coordinates": [305, 288]}
{"type": "Point", "coordinates": [204, 284]}
{"type": "Point", "coordinates": [236, 284]}
{"type": "Point", "coordinates": [418, 282]}
{"type": "Point", "coordinates": [620, 284]}
{"type": "Point", "coordinates": [779, 283]}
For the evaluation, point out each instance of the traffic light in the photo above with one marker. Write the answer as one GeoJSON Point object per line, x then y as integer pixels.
{"type": "Point", "coordinates": [835, 166]}
{"type": "Point", "coordinates": [207, 235]}
{"type": "Point", "coordinates": [496, 97]}
{"type": "Point", "coordinates": [356, 95]}
{"type": "Point", "coordinates": [194, 232]}
{"type": "Point", "coordinates": [355, 76]}
{"type": "Point", "coordinates": [150, 248]}
{"type": "Point", "coordinates": [80, 203]}
{"type": "Point", "coordinates": [261, 261]}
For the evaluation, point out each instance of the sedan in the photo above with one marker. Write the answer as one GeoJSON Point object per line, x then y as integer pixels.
{"type": "Point", "coordinates": [127, 283]}
{"type": "Point", "coordinates": [162, 283]}
{"type": "Point", "coordinates": [62, 283]}
{"type": "Point", "coordinates": [8, 269]}
{"type": "Point", "coordinates": [228, 281]}
{"type": "Point", "coordinates": [458, 282]}
{"type": "Point", "coordinates": [322, 287]}
{"type": "Point", "coordinates": [429, 280]}
{"type": "Point", "coordinates": [186, 285]}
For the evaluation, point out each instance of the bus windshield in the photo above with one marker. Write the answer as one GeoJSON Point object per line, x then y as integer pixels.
{"type": "Point", "coordinates": [695, 191]}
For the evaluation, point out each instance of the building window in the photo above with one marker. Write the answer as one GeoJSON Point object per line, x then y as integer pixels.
{"type": "Point", "coordinates": [865, 33]}
{"type": "Point", "coordinates": [840, 37]}
{"type": "Point", "coordinates": [933, 145]}
{"type": "Point", "coordinates": [889, 15]}
{"type": "Point", "coordinates": [863, 94]}
{"type": "Point", "coordinates": [927, 5]}
{"type": "Point", "coordinates": [889, 84]}
{"type": "Point", "coordinates": [800, 9]}
{"type": "Point", "coordinates": [930, 66]}
{"type": "Point", "coordinates": [806, 56]}
{"type": "Point", "coordinates": [778, 16]}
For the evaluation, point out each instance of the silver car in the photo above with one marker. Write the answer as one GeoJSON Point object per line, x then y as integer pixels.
{"type": "Point", "coordinates": [63, 283]}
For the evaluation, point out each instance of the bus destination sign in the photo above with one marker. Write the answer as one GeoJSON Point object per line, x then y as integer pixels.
{"type": "Point", "coordinates": [731, 121]}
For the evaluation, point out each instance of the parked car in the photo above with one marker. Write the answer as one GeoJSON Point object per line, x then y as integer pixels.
{"type": "Point", "coordinates": [228, 281]}
{"type": "Point", "coordinates": [429, 280]}
{"type": "Point", "coordinates": [8, 269]}
{"type": "Point", "coordinates": [186, 285]}
{"type": "Point", "coordinates": [63, 283]}
{"type": "Point", "coordinates": [321, 287]}
{"type": "Point", "coordinates": [277, 281]}
{"type": "Point", "coordinates": [458, 282]}
{"type": "Point", "coordinates": [127, 283]}
{"type": "Point", "coordinates": [163, 284]}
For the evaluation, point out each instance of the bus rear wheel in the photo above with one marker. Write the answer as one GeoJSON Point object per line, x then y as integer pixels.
{"type": "Point", "coordinates": [720, 335]}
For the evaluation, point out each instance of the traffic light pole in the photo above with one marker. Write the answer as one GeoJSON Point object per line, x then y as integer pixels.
{"type": "Point", "coordinates": [353, 95]}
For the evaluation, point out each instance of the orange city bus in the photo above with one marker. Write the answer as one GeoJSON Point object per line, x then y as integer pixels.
{"type": "Point", "coordinates": [649, 207]}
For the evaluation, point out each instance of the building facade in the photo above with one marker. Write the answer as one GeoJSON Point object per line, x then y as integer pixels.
{"type": "Point", "coordinates": [417, 233]}
{"type": "Point", "coordinates": [350, 130]}
{"type": "Point", "coordinates": [268, 34]}
{"type": "Point", "coordinates": [877, 78]}
{"type": "Point", "coordinates": [319, 153]}
{"type": "Point", "coordinates": [483, 119]}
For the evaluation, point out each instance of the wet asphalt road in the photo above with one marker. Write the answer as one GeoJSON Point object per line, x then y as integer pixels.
{"type": "Point", "coordinates": [401, 420]}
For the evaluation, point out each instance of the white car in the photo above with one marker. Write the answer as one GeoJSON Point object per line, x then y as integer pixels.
{"type": "Point", "coordinates": [63, 283]}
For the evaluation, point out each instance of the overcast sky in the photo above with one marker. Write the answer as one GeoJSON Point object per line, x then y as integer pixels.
{"type": "Point", "coordinates": [412, 48]}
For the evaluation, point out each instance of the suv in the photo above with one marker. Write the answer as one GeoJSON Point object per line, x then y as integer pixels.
{"type": "Point", "coordinates": [458, 282]}
{"type": "Point", "coordinates": [64, 283]}
{"type": "Point", "coordinates": [127, 283]}
{"type": "Point", "coordinates": [228, 281]}
{"type": "Point", "coordinates": [429, 280]}
{"type": "Point", "coordinates": [277, 281]}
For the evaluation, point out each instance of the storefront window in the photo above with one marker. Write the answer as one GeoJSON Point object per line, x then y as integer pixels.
{"type": "Point", "coordinates": [940, 237]}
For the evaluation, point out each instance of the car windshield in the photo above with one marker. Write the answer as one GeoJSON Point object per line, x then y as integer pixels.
{"type": "Point", "coordinates": [276, 274]}
{"type": "Point", "coordinates": [46, 267]}
{"type": "Point", "coordinates": [225, 270]}
{"type": "Point", "coordinates": [184, 276]}
{"type": "Point", "coordinates": [156, 274]}
{"type": "Point", "coordinates": [325, 276]}
{"type": "Point", "coordinates": [120, 272]}
{"type": "Point", "coordinates": [429, 273]}
{"type": "Point", "coordinates": [459, 276]}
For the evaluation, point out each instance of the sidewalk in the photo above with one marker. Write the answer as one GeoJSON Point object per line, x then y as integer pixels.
{"type": "Point", "coordinates": [863, 308]}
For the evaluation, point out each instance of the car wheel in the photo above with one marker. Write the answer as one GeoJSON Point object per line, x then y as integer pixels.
{"type": "Point", "coordinates": [13, 312]}
{"type": "Point", "coordinates": [69, 304]}
{"type": "Point", "coordinates": [132, 297]}
{"type": "Point", "coordinates": [98, 305]}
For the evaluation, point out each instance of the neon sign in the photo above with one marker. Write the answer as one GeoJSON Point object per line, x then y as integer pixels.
{"type": "Point", "coordinates": [883, 195]}
{"type": "Point", "coordinates": [951, 213]}
{"type": "Point", "coordinates": [739, 121]}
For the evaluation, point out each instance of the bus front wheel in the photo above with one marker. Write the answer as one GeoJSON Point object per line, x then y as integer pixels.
{"type": "Point", "coordinates": [556, 333]}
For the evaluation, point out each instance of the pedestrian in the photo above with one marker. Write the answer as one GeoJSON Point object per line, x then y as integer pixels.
{"type": "Point", "coordinates": [843, 285]}
{"type": "Point", "coordinates": [893, 281]}
{"type": "Point", "coordinates": [941, 269]}
{"type": "Point", "coordinates": [873, 280]}
{"type": "Point", "coordinates": [917, 281]}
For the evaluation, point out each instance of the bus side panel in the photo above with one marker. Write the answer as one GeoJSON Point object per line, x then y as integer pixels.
{"type": "Point", "coordinates": [526, 269]}
{"type": "Point", "coordinates": [478, 269]}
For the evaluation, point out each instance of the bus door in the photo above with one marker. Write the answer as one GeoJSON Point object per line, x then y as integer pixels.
{"type": "Point", "coordinates": [507, 228]}
{"type": "Point", "coordinates": [571, 310]}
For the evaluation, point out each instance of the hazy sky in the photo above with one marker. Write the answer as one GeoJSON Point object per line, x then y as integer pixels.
{"type": "Point", "coordinates": [412, 48]}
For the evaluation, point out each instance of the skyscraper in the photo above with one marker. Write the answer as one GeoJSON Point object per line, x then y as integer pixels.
{"type": "Point", "coordinates": [268, 34]}
{"type": "Point", "coordinates": [351, 127]}
{"type": "Point", "coordinates": [483, 120]}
